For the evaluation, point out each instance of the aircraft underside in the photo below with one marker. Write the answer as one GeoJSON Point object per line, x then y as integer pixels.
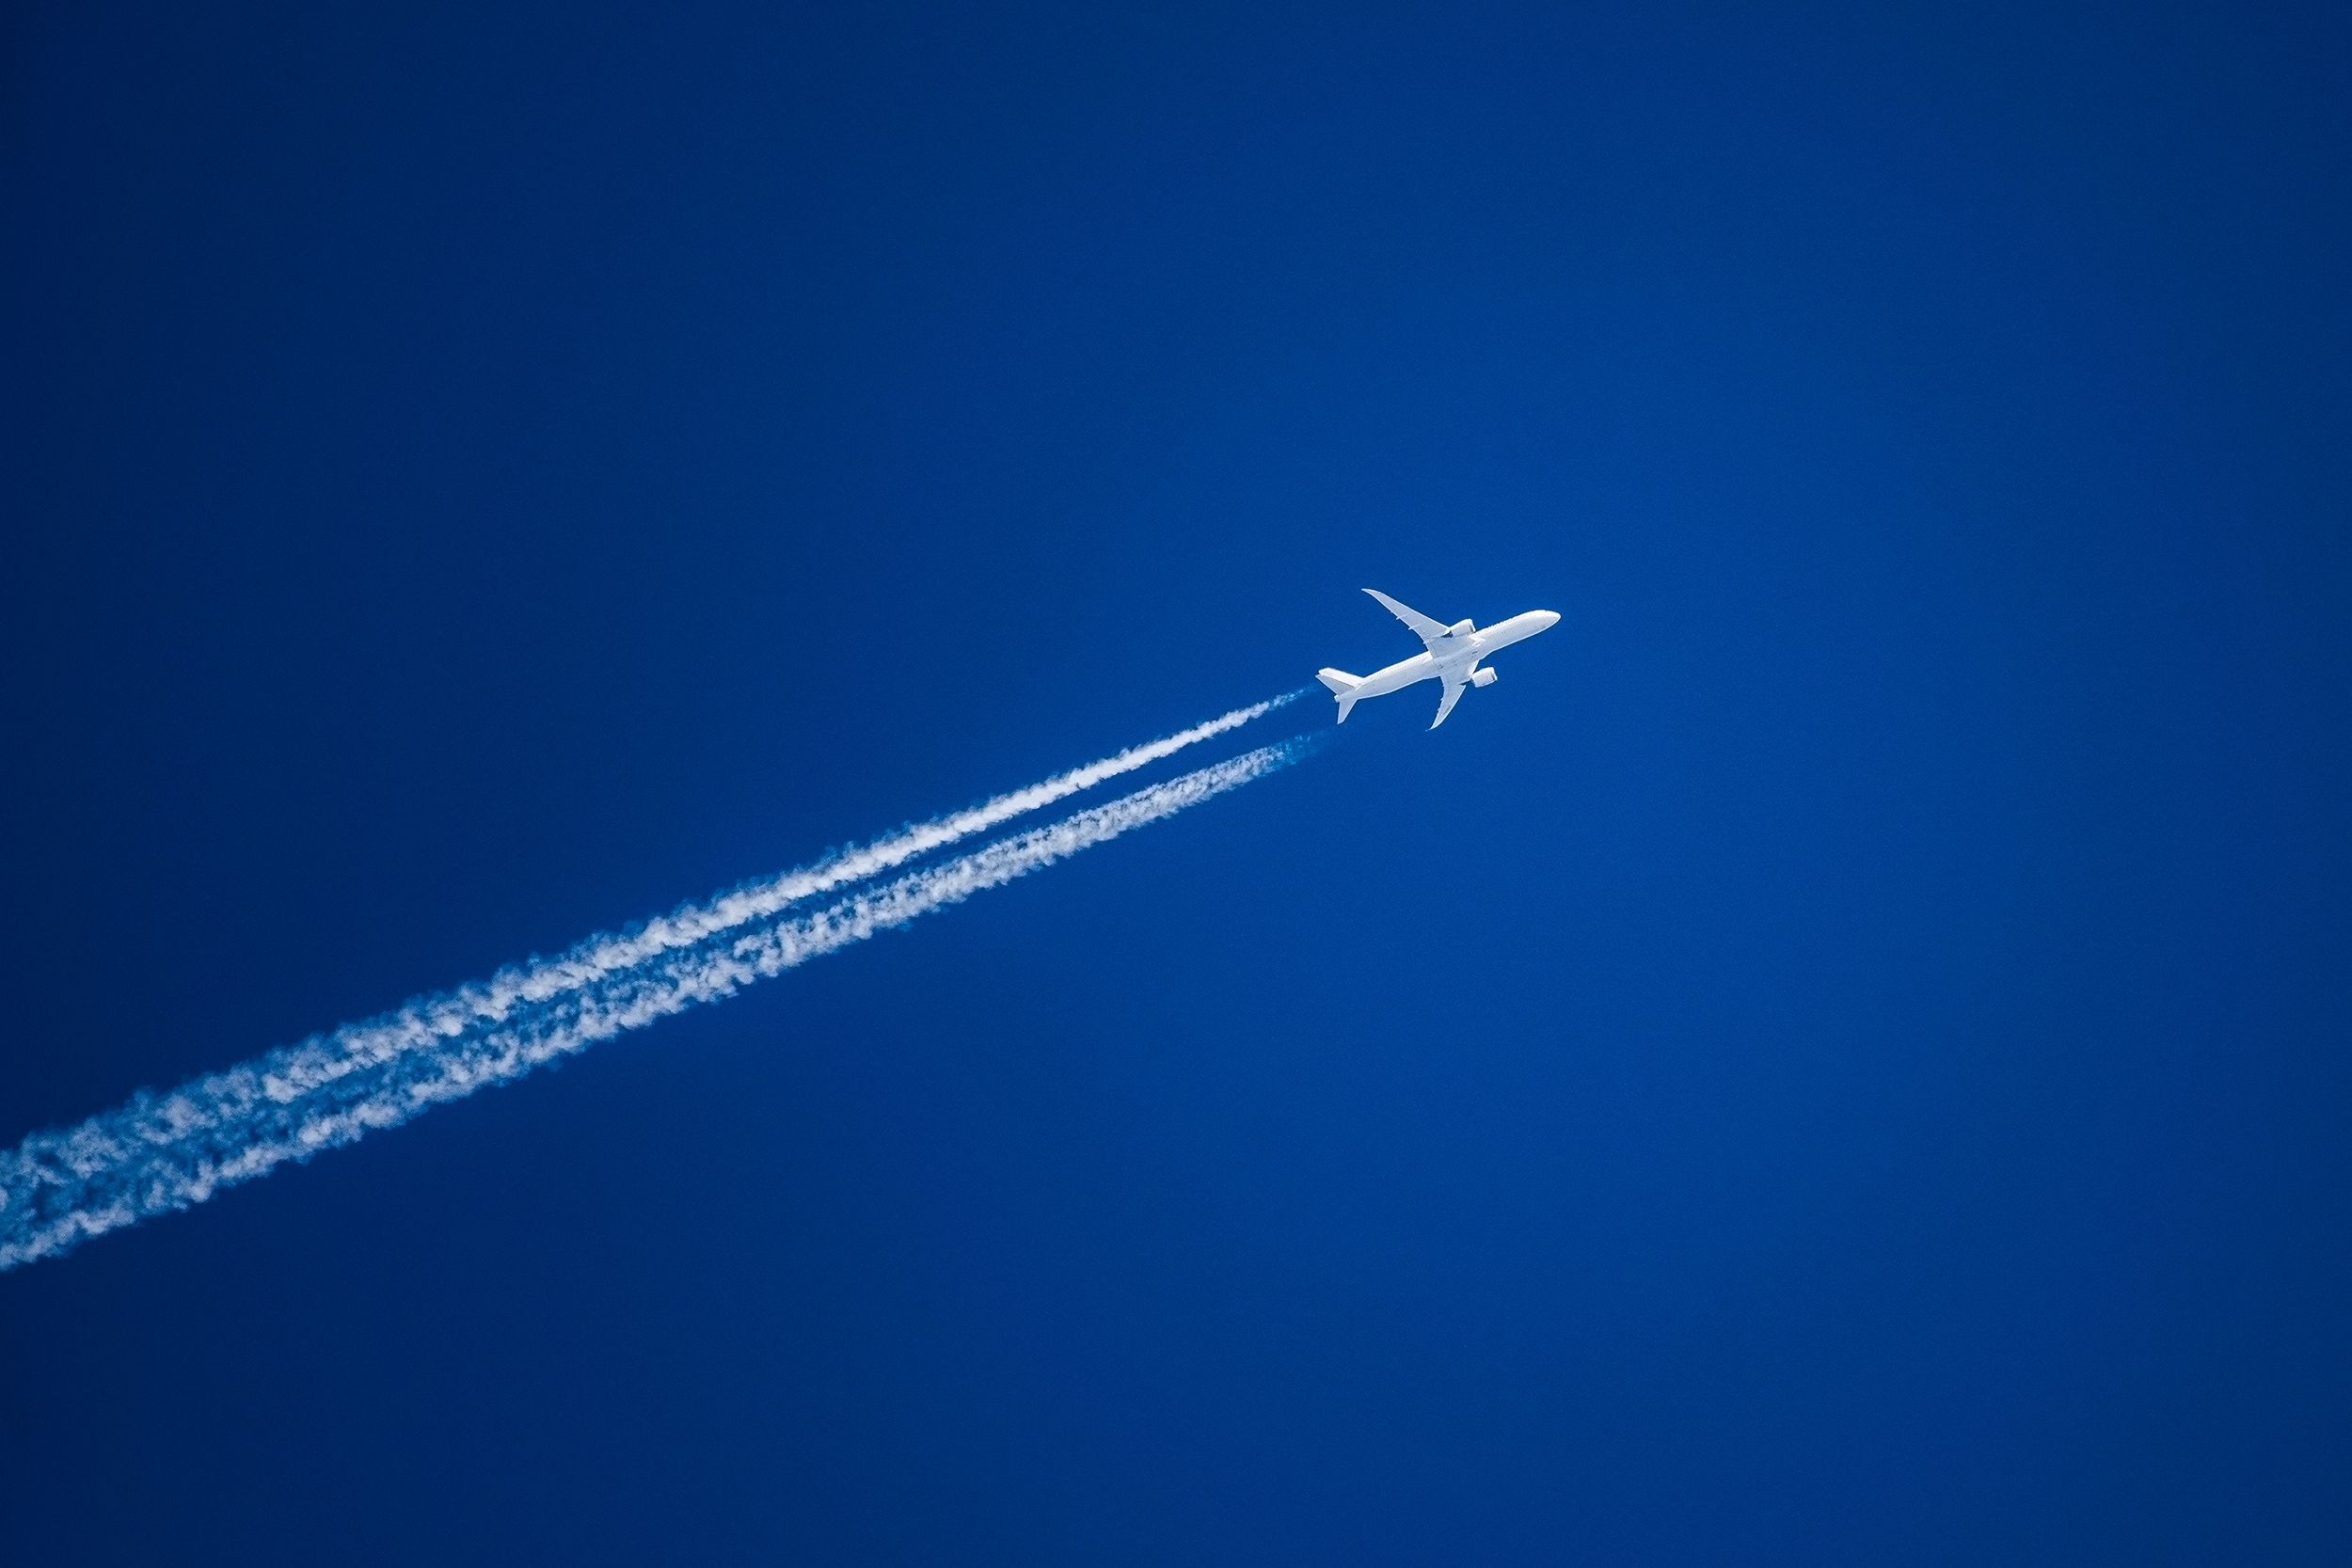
{"type": "Point", "coordinates": [1451, 657]}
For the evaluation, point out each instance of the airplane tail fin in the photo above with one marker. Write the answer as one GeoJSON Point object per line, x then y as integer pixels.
{"type": "Point", "coordinates": [1342, 686]}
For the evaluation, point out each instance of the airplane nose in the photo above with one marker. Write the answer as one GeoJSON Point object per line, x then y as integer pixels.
{"type": "Point", "coordinates": [1551, 618]}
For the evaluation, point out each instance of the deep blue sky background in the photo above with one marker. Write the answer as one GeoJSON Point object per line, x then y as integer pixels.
{"type": "Point", "coordinates": [1840, 1057]}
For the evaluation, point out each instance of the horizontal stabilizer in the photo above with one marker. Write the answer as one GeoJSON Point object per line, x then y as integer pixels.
{"type": "Point", "coordinates": [1342, 686]}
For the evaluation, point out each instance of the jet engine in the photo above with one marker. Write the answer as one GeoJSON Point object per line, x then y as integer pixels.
{"type": "Point", "coordinates": [1484, 677]}
{"type": "Point", "coordinates": [1461, 628]}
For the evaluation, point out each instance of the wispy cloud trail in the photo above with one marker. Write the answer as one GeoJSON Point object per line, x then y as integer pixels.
{"type": "Point", "coordinates": [430, 1022]}
{"type": "Point", "coordinates": [427, 1020]}
{"type": "Point", "coordinates": [161, 1153]}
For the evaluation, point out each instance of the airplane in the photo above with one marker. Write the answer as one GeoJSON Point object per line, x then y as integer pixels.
{"type": "Point", "coordinates": [1450, 654]}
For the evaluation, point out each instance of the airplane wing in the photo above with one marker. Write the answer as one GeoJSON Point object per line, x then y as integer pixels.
{"type": "Point", "coordinates": [1453, 688]}
{"type": "Point", "coordinates": [1429, 631]}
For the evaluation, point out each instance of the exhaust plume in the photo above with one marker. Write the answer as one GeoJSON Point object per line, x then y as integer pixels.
{"type": "Point", "coordinates": [161, 1153]}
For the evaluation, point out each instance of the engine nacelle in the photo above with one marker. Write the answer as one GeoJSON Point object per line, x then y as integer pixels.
{"type": "Point", "coordinates": [1484, 677]}
{"type": "Point", "coordinates": [1461, 628]}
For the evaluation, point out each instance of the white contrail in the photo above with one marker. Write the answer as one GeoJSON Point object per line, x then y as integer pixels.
{"type": "Point", "coordinates": [230, 1099]}
{"type": "Point", "coordinates": [159, 1154]}
{"type": "Point", "coordinates": [318, 1062]}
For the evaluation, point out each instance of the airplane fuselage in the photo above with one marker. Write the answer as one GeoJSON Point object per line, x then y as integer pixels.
{"type": "Point", "coordinates": [1450, 655]}
{"type": "Point", "coordinates": [1456, 657]}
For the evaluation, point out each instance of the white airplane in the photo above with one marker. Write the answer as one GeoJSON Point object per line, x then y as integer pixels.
{"type": "Point", "coordinates": [1450, 654]}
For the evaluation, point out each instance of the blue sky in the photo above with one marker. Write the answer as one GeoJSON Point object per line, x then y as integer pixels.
{"type": "Point", "coordinates": [1838, 1057]}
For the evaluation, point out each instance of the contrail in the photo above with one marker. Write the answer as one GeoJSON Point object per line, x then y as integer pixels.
{"type": "Point", "coordinates": [158, 1154]}
{"type": "Point", "coordinates": [428, 1021]}
{"type": "Point", "coordinates": [421, 1023]}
